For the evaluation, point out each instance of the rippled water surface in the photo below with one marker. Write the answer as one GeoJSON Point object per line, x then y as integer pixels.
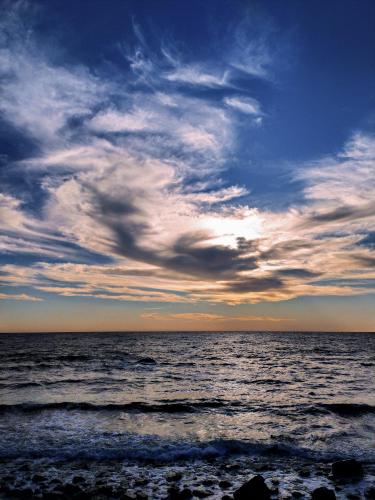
{"type": "Point", "coordinates": [185, 395]}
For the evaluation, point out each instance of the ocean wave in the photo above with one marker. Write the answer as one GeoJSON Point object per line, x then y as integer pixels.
{"type": "Point", "coordinates": [157, 452]}
{"type": "Point", "coordinates": [67, 381]}
{"type": "Point", "coordinates": [170, 406]}
{"type": "Point", "coordinates": [106, 446]}
{"type": "Point", "coordinates": [187, 406]}
{"type": "Point", "coordinates": [349, 409]}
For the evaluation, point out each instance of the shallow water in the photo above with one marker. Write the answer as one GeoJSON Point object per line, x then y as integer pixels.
{"type": "Point", "coordinates": [168, 396]}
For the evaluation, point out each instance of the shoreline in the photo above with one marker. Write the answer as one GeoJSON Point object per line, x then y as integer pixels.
{"type": "Point", "coordinates": [286, 478]}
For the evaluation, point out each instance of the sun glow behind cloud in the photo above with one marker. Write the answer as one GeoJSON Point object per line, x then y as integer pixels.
{"type": "Point", "coordinates": [135, 203]}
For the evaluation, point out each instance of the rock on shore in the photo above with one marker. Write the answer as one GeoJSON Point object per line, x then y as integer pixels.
{"type": "Point", "coordinates": [255, 489]}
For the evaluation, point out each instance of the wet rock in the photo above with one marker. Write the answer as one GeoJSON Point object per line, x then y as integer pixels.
{"type": "Point", "coordinates": [70, 489]}
{"type": "Point", "coordinates": [9, 479]}
{"type": "Point", "coordinates": [304, 473]}
{"type": "Point", "coordinates": [142, 496]}
{"type": "Point", "coordinates": [142, 481]}
{"type": "Point", "coordinates": [226, 497]}
{"type": "Point", "coordinates": [176, 494]}
{"type": "Point", "coordinates": [255, 489]}
{"type": "Point", "coordinates": [323, 493]}
{"type": "Point", "coordinates": [83, 495]}
{"type": "Point", "coordinates": [200, 493]}
{"type": "Point", "coordinates": [297, 494]}
{"type": "Point", "coordinates": [347, 469]}
{"type": "Point", "coordinates": [100, 482]}
{"type": "Point", "coordinates": [353, 496]}
{"type": "Point", "coordinates": [106, 490]}
{"type": "Point", "coordinates": [22, 493]}
{"type": "Point", "coordinates": [24, 467]}
{"type": "Point", "coordinates": [74, 491]}
{"type": "Point", "coordinates": [174, 476]}
{"type": "Point", "coordinates": [224, 484]}
{"type": "Point", "coordinates": [53, 495]}
{"type": "Point", "coordinates": [78, 480]}
{"type": "Point", "coordinates": [370, 492]}
{"type": "Point", "coordinates": [208, 482]}
{"type": "Point", "coordinates": [38, 478]}
{"type": "Point", "coordinates": [4, 488]}
{"type": "Point", "coordinates": [55, 481]}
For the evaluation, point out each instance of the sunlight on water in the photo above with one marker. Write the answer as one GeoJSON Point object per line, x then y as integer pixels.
{"type": "Point", "coordinates": [137, 394]}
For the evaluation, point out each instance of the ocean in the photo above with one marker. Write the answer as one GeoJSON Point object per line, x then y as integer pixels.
{"type": "Point", "coordinates": [148, 405]}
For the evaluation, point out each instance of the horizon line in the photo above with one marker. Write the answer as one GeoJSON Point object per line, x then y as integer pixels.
{"type": "Point", "coordinates": [181, 331]}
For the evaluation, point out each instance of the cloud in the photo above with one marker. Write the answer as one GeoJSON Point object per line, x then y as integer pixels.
{"type": "Point", "coordinates": [210, 317]}
{"type": "Point", "coordinates": [39, 97]}
{"type": "Point", "coordinates": [113, 121]}
{"type": "Point", "coordinates": [20, 296]}
{"type": "Point", "coordinates": [134, 206]}
{"type": "Point", "coordinates": [194, 75]}
{"type": "Point", "coordinates": [244, 104]}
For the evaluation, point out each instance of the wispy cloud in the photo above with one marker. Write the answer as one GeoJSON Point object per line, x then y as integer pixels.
{"type": "Point", "coordinates": [244, 104]}
{"type": "Point", "coordinates": [211, 317]}
{"type": "Point", "coordinates": [19, 296]}
{"type": "Point", "coordinates": [194, 75]}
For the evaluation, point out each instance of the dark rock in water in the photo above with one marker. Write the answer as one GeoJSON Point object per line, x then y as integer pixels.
{"type": "Point", "coordinates": [323, 494]}
{"type": "Point", "coordinates": [174, 476]}
{"type": "Point", "coordinates": [55, 481]}
{"type": "Point", "coordinates": [370, 492]}
{"type": "Point", "coordinates": [255, 489]}
{"type": "Point", "coordinates": [22, 493]}
{"type": "Point", "coordinates": [78, 479]}
{"type": "Point", "coordinates": [346, 469]}
{"type": "Point", "coordinates": [226, 497]}
{"type": "Point", "coordinates": [200, 493]}
{"type": "Point", "coordinates": [107, 490]}
{"type": "Point", "coordinates": [53, 495]}
{"type": "Point", "coordinates": [147, 361]}
{"type": "Point", "coordinates": [141, 496]}
{"type": "Point", "coordinates": [72, 491]}
{"type": "Point", "coordinates": [224, 484]}
{"type": "Point", "coordinates": [297, 494]}
{"type": "Point", "coordinates": [176, 494]}
{"type": "Point", "coordinates": [24, 467]}
{"type": "Point", "coordinates": [142, 481]}
{"type": "Point", "coordinates": [9, 479]}
{"type": "Point", "coordinates": [304, 473]}
{"type": "Point", "coordinates": [38, 478]}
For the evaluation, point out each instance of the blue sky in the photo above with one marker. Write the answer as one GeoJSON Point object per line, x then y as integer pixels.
{"type": "Point", "coordinates": [187, 166]}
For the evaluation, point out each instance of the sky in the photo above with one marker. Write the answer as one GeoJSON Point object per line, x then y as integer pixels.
{"type": "Point", "coordinates": [201, 165]}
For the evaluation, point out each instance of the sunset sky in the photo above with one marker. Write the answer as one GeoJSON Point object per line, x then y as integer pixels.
{"type": "Point", "coordinates": [201, 165]}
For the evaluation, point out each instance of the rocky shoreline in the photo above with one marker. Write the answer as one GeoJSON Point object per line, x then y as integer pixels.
{"type": "Point", "coordinates": [241, 478]}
